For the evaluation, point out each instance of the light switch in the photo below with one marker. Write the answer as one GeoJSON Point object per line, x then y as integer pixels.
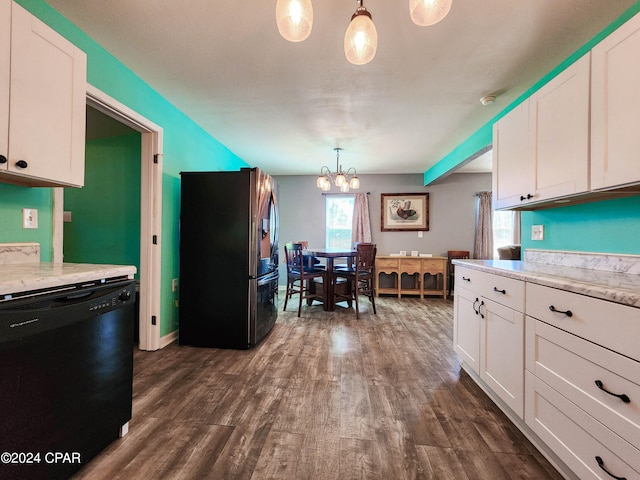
{"type": "Point", "coordinates": [29, 218]}
{"type": "Point", "coordinates": [537, 232]}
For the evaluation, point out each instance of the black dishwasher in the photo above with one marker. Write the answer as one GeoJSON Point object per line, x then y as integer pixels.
{"type": "Point", "coordinates": [66, 371]}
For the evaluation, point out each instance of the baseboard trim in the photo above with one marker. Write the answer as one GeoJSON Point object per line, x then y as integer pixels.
{"type": "Point", "coordinates": [168, 339]}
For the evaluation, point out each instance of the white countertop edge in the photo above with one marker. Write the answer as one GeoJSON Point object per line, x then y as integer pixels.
{"type": "Point", "coordinates": [24, 277]}
{"type": "Point", "coordinates": [612, 286]}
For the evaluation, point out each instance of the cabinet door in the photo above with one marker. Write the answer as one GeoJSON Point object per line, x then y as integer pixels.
{"type": "Point", "coordinates": [513, 172]}
{"type": "Point", "coordinates": [5, 57]}
{"type": "Point", "coordinates": [560, 119]}
{"type": "Point", "coordinates": [48, 102]}
{"type": "Point", "coordinates": [615, 111]}
{"type": "Point", "coordinates": [466, 327]}
{"type": "Point", "coordinates": [502, 351]}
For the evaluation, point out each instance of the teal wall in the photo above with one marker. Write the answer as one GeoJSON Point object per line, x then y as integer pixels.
{"type": "Point", "coordinates": [610, 226]}
{"type": "Point", "coordinates": [607, 226]}
{"type": "Point", "coordinates": [105, 226]}
{"type": "Point", "coordinates": [186, 147]}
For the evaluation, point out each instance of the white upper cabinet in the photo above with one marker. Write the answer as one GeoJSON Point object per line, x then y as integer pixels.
{"type": "Point", "coordinates": [615, 110]}
{"type": "Point", "coordinates": [43, 135]}
{"type": "Point", "coordinates": [541, 148]}
{"type": "Point", "coordinates": [559, 116]}
{"type": "Point", "coordinates": [5, 57]}
{"type": "Point", "coordinates": [513, 169]}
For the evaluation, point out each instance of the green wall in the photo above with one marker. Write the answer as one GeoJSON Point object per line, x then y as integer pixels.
{"type": "Point", "coordinates": [607, 226]}
{"type": "Point", "coordinates": [186, 147]}
{"type": "Point", "coordinates": [12, 200]}
{"type": "Point", "coordinates": [105, 226]}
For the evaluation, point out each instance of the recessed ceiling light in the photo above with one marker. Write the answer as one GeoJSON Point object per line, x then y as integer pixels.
{"type": "Point", "coordinates": [488, 99]}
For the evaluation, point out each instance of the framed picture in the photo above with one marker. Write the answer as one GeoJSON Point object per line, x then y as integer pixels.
{"type": "Point", "coordinates": [402, 212]}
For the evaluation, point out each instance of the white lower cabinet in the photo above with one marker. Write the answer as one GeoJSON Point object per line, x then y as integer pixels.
{"type": "Point", "coordinates": [582, 392]}
{"type": "Point", "coordinates": [488, 335]}
{"type": "Point", "coordinates": [567, 364]}
{"type": "Point", "coordinates": [502, 353]}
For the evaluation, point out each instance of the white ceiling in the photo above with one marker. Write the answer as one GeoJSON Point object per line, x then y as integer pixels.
{"type": "Point", "coordinates": [284, 106]}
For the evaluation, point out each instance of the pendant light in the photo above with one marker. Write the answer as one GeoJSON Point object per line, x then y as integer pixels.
{"type": "Point", "coordinates": [340, 178]}
{"type": "Point", "coordinates": [428, 12]}
{"type": "Point", "coordinates": [294, 19]}
{"type": "Point", "coordinates": [361, 37]}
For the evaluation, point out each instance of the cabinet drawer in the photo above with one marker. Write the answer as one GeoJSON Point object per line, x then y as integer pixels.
{"type": "Point", "coordinates": [411, 266]}
{"type": "Point", "coordinates": [467, 278]}
{"type": "Point", "coordinates": [572, 366]}
{"type": "Point", "coordinates": [433, 266]}
{"type": "Point", "coordinates": [503, 290]}
{"type": "Point", "coordinates": [387, 264]}
{"type": "Point", "coordinates": [576, 437]}
{"type": "Point", "coordinates": [611, 325]}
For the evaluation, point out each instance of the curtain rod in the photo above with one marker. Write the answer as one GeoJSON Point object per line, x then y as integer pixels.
{"type": "Point", "coordinates": [368, 193]}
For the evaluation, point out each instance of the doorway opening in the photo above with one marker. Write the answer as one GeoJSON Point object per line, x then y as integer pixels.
{"type": "Point", "coordinates": [123, 119]}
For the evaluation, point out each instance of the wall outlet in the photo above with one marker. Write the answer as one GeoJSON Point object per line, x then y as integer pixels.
{"type": "Point", "coordinates": [29, 218]}
{"type": "Point", "coordinates": [174, 285]}
{"type": "Point", "coordinates": [537, 232]}
{"type": "Point", "coordinates": [420, 234]}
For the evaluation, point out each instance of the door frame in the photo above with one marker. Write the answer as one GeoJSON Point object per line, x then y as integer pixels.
{"type": "Point", "coordinates": [150, 212]}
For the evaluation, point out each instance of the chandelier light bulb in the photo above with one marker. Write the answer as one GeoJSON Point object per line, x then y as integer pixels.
{"type": "Point", "coordinates": [428, 12]}
{"type": "Point", "coordinates": [361, 38]}
{"type": "Point", "coordinates": [294, 19]}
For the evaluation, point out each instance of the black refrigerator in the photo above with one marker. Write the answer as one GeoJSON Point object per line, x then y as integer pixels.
{"type": "Point", "coordinates": [228, 258]}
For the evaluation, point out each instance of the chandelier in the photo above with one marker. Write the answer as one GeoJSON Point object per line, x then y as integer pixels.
{"type": "Point", "coordinates": [340, 178]}
{"type": "Point", "coordinates": [295, 20]}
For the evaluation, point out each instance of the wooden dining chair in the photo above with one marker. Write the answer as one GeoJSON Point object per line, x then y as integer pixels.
{"type": "Point", "coordinates": [300, 275]}
{"type": "Point", "coordinates": [451, 271]}
{"type": "Point", "coordinates": [360, 276]}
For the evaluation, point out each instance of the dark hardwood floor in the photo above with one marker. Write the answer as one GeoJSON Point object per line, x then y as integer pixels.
{"type": "Point", "coordinates": [325, 396]}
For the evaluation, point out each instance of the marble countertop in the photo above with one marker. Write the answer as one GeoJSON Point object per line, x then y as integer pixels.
{"type": "Point", "coordinates": [614, 286]}
{"type": "Point", "coordinates": [24, 277]}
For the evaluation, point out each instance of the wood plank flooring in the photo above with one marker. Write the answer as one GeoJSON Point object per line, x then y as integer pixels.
{"type": "Point", "coordinates": [325, 396]}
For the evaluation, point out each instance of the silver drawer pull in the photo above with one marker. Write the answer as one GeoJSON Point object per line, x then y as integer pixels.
{"type": "Point", "coordinates": [568, 313]}
{"type": "Point", "coordinates": [495, 289]}
{"type": "Point", "coordinates": [621, 396]}
{"type": "Point", "coordinates": [601, 465]}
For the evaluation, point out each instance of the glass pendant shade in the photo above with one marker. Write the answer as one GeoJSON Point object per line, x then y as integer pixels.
{"type": "Point", "coordinates": [294, 19]}
{"type": "Point", "coordinates": [344, 188]}
{"type": "Point", "coordinates": [354, 183]}
{"type": "Point", "coordinates": [428, 12]}
{"type": "Point", "coordinates": [360, 40]}
{"type": "Point", "coordinates": [339, 181]}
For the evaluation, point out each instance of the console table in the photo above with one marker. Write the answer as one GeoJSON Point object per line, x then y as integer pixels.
{"type": "Point", "coordinates": [411, 266]}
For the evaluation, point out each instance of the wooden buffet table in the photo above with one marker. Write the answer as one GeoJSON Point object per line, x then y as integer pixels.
{"type": "Point", "coordinates": [411, 266]}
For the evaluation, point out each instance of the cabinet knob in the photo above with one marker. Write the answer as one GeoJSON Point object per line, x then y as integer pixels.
{"type": "Point", "coordinates": [21, 164]}
{"type": "Point", "coordinates": [3, 159]}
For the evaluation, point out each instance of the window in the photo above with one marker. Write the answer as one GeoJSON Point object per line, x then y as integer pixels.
{"type": "Point", "coordinates": [505, 224]}
{"type": "Point", "coordinates": [339, 213]}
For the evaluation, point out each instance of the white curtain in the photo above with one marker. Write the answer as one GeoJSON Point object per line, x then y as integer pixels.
{"type": "Point", "coordinates": [516, 228]}
{"type": "Point", "coordinates": [361, 224]}
{"type": "Point", "coordinates": [483, 245]}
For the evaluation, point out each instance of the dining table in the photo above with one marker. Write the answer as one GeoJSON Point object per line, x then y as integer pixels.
{"type": "Point", "coordinates": [330, 254]}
